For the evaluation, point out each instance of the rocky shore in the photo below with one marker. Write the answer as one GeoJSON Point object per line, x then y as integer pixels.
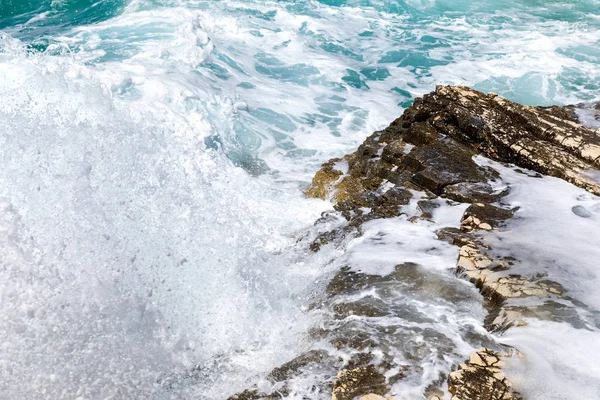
{"type": "Point", "coordinates": [445, 150]}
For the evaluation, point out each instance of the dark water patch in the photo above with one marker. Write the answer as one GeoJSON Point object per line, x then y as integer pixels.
{"type": "Point", "coordinates": [29, 20]}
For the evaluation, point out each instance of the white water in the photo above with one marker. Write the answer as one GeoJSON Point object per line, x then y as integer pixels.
{"type": "Point", "coordinates": [554, 234]}
{"type": "Point", "coordinates": [129, 251]}
{"type": "Point", "coordinates": [436, 317]}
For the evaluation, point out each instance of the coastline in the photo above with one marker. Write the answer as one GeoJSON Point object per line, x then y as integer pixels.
{"type": "Point", "coordinates": [450, 165]}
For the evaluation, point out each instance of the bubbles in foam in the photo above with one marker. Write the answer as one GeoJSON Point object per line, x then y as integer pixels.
{"type": "Point", "coordinates": [131, 253]}
{"type": "Point", "coordinates": [557, 363]}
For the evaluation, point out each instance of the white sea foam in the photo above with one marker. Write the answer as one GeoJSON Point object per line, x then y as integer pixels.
{"type": "Point", "coordinates": [131, 253]}
{"type": "Point", "coordinates": [555, 234]}
{"type": "Point", "coordinates": [565, 247]}
{"type": "Point", "coordinates": [559, 361]}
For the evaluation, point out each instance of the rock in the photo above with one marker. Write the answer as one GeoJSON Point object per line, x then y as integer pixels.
{"type": "Point", "coordinates": [481, 378]}
{"type": "Point", "coordinates": [334, 236]}
{"type": "Point", "coordinates": [347, 281]}
{"type": "Point", "coordinates": [368, 306]}
{"type": "Point", "coordinates": [351, 383]}
{"type": "Point", "coordinates": [313, 361]}
{"type": "Point", "coordinates": [389, 203]}
{"type": "Point", "coordinates": [455, 236]}
{"type": "Point", "coordinates": [324, 179]}
{"type": "Point", "coordinates": [426, 158]}
{"type": "Point", "coordinates": [441, 164]}
{"type": "Point", "coordinates": [536, 138]}
{"type": "Point", "coordinates": [472, 192]}
{"type": "Point", "coordinates": [430, 148]}
{"type": "Point", "coordinates": [484, 216]}
{"type": "Point", "coordinates": [427, 207]}
{"type": "Point", "coordinates": [512, 315]}
{"type": "Point", "coordinates": [489, 276]}
{"type": "Point", "coordinates": [254, 394]}
{"type": "Point", "coordinates": [372, 396]}
{"type": "Point", "coordinates": [291, 368]}
{"type": "Point", "coordinates": [567, 112]}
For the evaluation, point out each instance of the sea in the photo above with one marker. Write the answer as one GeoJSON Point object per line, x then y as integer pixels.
{"type": "Point", "coordinates": [153, 158]}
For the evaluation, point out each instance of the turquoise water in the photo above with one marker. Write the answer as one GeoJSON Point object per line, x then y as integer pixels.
{"type": "Point", "coordinates": [154, 153]}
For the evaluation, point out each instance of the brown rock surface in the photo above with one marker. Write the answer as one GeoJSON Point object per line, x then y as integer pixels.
{"type": "Point", "coordinates": [428, 134]}
{"type": "Point", "coordinates": [351, 383]}
{"type": "Point", "coordinates": [546, 140]}
{"type": "Point", "coordinates": [481, 378]}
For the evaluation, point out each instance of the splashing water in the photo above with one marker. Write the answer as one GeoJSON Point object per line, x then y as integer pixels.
{"type": "Point", "coordinates": [153, 154]}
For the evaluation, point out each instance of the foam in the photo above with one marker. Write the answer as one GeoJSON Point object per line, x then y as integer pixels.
{"type": "Point", "coordinates": [558, 361]}
{"type": "Point", "coordinates": [116, 275]}
{"type": "Point", "coordinates": [565, 247]}
{"type": "Point", "coordinates": [554, 234]}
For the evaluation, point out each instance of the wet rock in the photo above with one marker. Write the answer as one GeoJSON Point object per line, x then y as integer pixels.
{"type": "Point", "coordinates": [481, 378]}
{"type": "Point", "coordinates": [329, 228]}
{"type": "Point", "coordinates": [353, 339]}
{"type": "Point", "coordinates": [372, 396]}
{"type": "Point", "coordinates": [514, 315]}
{"type": "Point", "coordinates": [347, 281]}
{"type": "Point", "coordinates": [430, 148]}
{"type": "Point", "coordinates": [293, 367]}
{"type": "Point", "coordinates": [324, 180]}
{"type": "Point", "coordinates": [562, 112]}
{"type": "Point", "coordinates": [254, 394]}
{"type": "Point", "coordinates": [379, 329]}
{"type": "Point", "coordinates": [535, 138]}
{"type": "Point", "coordinates": [334, 236]}
{"type": "Point", "coordinates": [351, 383]}
{"type": "Point", "coordinates": [390, 202]}
{"type": "Point", "coordinates": [484, 216]}
{"type": "Point", "coordinates": [488, 274]}
{"type": "Point", "coordinates": [427, 207]}
{"type": "Point", "coordinates": [472, 192]}
{"type": "Point", "coordinates": [518, 286]}
{"type": "Point", "coordinates": [441, 164]}
{"type": "Point", "coordinates": [366, 307]}
{"type": "Point", "coordinates": [454, 236]}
